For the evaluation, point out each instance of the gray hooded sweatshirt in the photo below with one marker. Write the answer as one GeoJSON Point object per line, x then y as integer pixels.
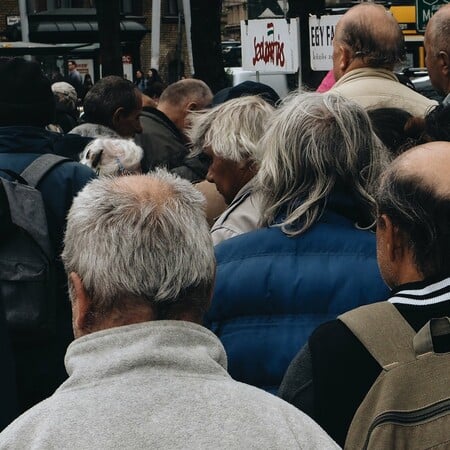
{"type": "Point", "coordinates": [158, 385]}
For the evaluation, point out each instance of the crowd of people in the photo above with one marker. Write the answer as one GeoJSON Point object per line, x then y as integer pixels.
{"type": "Point", "coordinates": [237, 270]}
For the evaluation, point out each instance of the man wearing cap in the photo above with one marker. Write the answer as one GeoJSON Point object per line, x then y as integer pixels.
{"type": "Point", "coordinates": [26, 107]}
{"type": "Point", "coordinates": [247, 88]}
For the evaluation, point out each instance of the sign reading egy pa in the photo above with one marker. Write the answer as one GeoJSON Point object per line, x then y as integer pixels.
{"type": "Point", "coordinates": [321, 35]}
{"type": "Point", "coordinates": [270, 45]}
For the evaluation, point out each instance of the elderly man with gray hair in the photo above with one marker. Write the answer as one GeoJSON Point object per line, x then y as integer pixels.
{"type": "Point", "coordinates": [142, 372]}
{"type": "Point", "coordinates": [367, 46]}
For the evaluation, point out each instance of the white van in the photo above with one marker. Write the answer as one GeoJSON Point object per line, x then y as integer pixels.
{"type": "Point", "coordinates": [277, 81]}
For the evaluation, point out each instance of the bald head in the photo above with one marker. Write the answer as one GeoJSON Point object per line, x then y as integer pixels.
{"type": "Point", "coordinates": [437, 49]}
{"type": "Point", "coordinates": [414, 193]}
{"type": "Point", "coordinates": [141, 240]}
{"type": "Point", "coordinates": [144, 189]}
{"type": "Point", "coordinates": [371, 36]}
{"type": "Point", "coordinates": [429, 163]}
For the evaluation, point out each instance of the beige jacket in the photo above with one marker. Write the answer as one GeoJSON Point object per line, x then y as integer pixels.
{"type": "Point", "coordinates": [241, 216]}
{"type": "Point", "coordinates": [379, 88]}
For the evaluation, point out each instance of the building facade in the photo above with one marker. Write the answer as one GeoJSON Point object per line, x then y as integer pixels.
{"type": "Point", "coordinates": [74, 21]}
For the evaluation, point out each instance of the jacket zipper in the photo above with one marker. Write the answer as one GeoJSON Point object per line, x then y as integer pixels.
{"type": "Point", "coordinates": [409, 417]}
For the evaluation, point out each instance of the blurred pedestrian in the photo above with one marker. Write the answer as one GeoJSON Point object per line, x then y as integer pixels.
{"type": "Point", "coordinates": [87, 84]}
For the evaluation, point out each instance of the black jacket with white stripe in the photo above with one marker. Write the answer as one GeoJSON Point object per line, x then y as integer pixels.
{"type": "Point", "coordinates": [331, 375]}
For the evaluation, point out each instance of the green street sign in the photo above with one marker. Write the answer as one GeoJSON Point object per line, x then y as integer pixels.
{"type": "Point", "coordinates": [424, 10]}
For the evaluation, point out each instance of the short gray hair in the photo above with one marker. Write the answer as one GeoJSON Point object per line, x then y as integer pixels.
{"type": "Point", "coordinates": [231, 129]}
{"type": "Point", "coordinates": [143, 237]}
{"type": "Point", "coordinates": [189, 89]}
{"type": "Point", "coordinates": [315, 142]}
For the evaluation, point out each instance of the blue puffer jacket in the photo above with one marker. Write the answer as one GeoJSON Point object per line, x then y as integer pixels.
{"type": "Point", "coordinates": [272, 291]}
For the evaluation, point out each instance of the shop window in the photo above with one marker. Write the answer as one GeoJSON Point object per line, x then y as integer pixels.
{"type": "Point", "coordinates": [35, 6]}
{"type": "Point", "coordinates": [170, 8]}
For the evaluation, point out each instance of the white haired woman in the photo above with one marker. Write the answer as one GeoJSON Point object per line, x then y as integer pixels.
{"type": "Point", "coordinates": [228, 136]}
{"type": "Point", "coordinates": [315, 256]}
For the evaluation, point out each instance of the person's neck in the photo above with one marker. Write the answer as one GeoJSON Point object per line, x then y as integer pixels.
{"type": "Point", "coordinates": [359, 64]}
{"type": "Point", "coordinates": [173, 114]}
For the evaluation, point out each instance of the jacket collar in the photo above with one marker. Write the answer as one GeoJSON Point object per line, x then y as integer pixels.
{"type": "Point", "coordinates": [148, 111]}
{"type": "Point", "coordinates": [159, 347]}
{"type": "Point", "coordinates": [365, 72]}
{"type": "Point", "coordinates": [421, 293]}
{"type": "Point", "coordinates": [26, 139]}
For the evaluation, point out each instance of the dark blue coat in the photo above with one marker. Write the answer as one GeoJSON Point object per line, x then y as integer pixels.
{"type": "Point", "coordinates": [40, 365]}
{"type": "Point", "coordinates": [272, 291]}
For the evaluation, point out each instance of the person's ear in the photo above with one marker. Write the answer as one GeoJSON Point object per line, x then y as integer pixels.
{"type": "Point", "coordinates": [117, 117]}
{"type": "Point", "coordinates": [192, 106]}
{"type": "Point", "coordinates": [247, 164]}
{"type": "Point", "coordinates": [394, 242]}
{"type": "Point", "coordinates": [81, 306]}
{"type": "Point", "coordinates": [444, 60]}
{"type": "Point", "coordinates": [345, 57]}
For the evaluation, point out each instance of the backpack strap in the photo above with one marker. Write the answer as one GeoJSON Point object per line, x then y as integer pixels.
{"type": "Point", "coordinates": [423, 340]}
{"type": "Point", "coordinates": [383, 331]}
{"type": "Point", "coordinates": [40, 167]}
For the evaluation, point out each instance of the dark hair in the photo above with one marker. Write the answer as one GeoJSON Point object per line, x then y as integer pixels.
{"type": "Point", "coordinates": [71, 61]}
{"type": "Point", "coordinates": [437, 123]}
{"type": "Point", "coordinates": [389, 126]}
{"type": "Point", "coordinates": [422, 215]}
{"type": "Point", "coordinates": [154, 90]}
{"type": "Point", "coordinates": [435, 126]}
{"type": "Point", "coordinates": [106, 96]}
{"type": "Point", "coordinates": [155, 76]}
{"type": "Point", "coordinates": [26, 97]}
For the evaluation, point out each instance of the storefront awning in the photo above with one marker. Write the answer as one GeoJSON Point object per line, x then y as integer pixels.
{"type": "Point", "coordinates": [19, 48]}
{"type": "Point", "coordinates": [75, 25]}
{"type": "Point", "coordinates": [82, 31]}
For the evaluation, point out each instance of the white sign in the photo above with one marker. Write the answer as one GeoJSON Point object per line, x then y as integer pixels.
{"type": "Point", "coordinates": [85, 66]}
{"type": "Point", "coordinates": [321, 34]}
{"type": "Point", "coordinates": [127, 64]}
{"type": "Point", "coordinates": [12, 20]}
{"type": "Point", "coordinates": [270, 45]}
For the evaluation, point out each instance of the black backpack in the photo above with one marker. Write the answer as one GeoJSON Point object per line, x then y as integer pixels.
{"type": "Point", "coordinates": [28, 286]}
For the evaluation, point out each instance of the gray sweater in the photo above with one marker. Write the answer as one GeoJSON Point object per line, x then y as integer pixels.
{"type": "Point", "coordinates": [158, 385]}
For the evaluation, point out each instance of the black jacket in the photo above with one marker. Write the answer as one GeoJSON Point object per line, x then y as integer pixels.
{"type": "Point", "coordinates": [330, 377]}
{"type": "Point", "coordinates": [40, 365]}
{"type": "Point", "coordinates": [164, 146]}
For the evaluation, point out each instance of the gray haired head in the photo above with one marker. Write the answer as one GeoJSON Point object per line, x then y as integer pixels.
{"type": "Point", "coordinates": [313, 143]}
{"type": "Point", "coordinates": [142, 237]}
{"type": "Point", "coordinates": [232, 130]}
